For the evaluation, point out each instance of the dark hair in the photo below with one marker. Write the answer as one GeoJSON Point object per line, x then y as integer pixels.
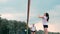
{"type": "Point", "coordinates": [47, 15]}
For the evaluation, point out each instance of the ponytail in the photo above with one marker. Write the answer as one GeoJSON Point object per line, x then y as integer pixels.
{"type": "Point", "coordinates": [47, 15]}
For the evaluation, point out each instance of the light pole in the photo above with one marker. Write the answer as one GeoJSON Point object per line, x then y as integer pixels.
{"type": "Point", "coordinates": [28, 10]}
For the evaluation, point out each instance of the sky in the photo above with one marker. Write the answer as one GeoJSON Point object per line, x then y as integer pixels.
{"type": "Point", "coordinates": [17, 10]}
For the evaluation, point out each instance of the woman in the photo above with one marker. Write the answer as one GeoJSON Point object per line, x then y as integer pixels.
{"type": "Point", "coordinates": [45, 20]}
{"type": "Point", "coordinates": [33, 29]}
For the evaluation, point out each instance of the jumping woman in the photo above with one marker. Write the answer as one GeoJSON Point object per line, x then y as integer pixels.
{"type": "Point", "coordinates": [33, 29]}
{"type": "Point", "coordinates": [45, 20]}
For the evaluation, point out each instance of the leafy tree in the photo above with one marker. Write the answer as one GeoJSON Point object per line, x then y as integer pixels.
{"type": "Point", "coordinates": [16, 27]}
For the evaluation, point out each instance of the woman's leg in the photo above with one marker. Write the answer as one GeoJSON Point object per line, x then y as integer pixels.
{"type": "Point", "coordinates": [31, 33]}
{"type": "Point", "coordinates": [45, 30]}
{"type": "Point", "coordinates": [34, 32]}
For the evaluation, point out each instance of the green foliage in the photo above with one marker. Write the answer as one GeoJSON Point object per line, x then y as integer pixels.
{"type": "Point", "coordinates": [12, 26]}
{"type": "Point", "coordinates": [16, 27]}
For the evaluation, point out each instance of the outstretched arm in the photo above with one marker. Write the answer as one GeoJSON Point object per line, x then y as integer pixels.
{"type": "Point", "coordinates": [40, 17]}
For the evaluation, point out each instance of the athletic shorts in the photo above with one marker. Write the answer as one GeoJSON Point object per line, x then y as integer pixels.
{"type": "Point", "coordinates": [33, 31]}
{"type": "Point", "coordinates": [45, 26]}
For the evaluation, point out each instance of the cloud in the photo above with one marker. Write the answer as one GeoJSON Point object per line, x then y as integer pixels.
{"type": "Point", "coordinates": [7, 9]}
{"type": "Point", "coordinates": [14, 16]}
{"type": "Point", "coordinates": [11, 13]}
{"type": "Point", "coordinates": [3, 1]}
{"type": "Point", "coordinates": [54, 25]}
{"type": "Point", "coordinates": [55, 11]}
{"type": "Point", "coordinates": [7, 15]}
{"type": "Point", "coordinates": [39, 26]}
{"type": "Point", "coordinates": [51, 28]}
{"type": "Point", "coordinates": [54, 14]}
{"type": "Point", "coordinates": [54, 21]}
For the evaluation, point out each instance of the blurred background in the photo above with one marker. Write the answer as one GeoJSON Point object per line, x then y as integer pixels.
{"type": "Point", "coordinates": [13, 16]}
